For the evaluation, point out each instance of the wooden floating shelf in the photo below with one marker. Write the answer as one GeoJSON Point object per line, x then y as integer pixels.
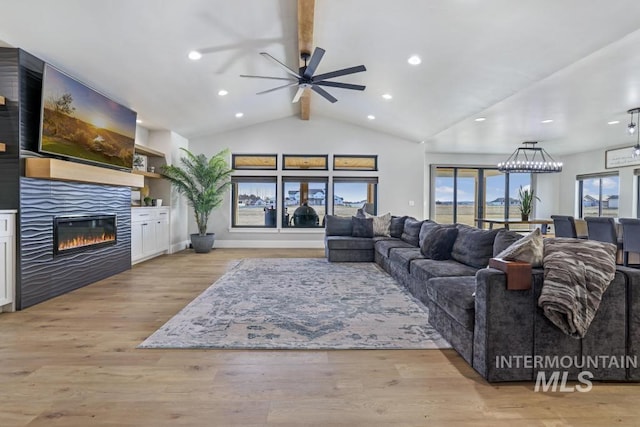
{"type": "Point", "coordinates": [148, 174]}
{"type": "Point", "coordinates": [141, 149]}
{"type": "Point", "coordinates": [3, 147]}
{"type": "Point", "coordinates": [61, 170]}
{"type": "Point", "coordinates": [2, 100]}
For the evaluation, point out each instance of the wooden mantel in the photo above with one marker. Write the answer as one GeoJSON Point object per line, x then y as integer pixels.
{"type": "Point", "coordinates": [61, 170]}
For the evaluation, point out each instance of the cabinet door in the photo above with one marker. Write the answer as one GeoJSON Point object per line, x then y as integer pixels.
{"type": "Point", "coordinates": [6, 271]}
{"type": "Point", "coordinates": [162, 234]}
{"type": "Point", "coordinates": [137, 248]}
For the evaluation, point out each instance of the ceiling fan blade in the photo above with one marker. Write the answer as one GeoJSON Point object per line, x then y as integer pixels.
{"type": "Point", "coordinates": [299, 93]}
{"type": "Point", "coordinates": [277, 88]}
{"type": "Point", "coordinates": [318, 53]}
{"type": "Point", "coordinates": [284, 67]}
{"type": "Point", "coordinates": [338, 73]}
{"type": "Point", "coordinates": [271, 78]}
{"type": "Point", "coordinates": [340, 85]}
{"type": "Point", "coordinates": [324, 93]}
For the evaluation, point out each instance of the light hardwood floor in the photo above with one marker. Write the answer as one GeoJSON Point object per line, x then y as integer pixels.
{"type": "Point", "coordinates": [72, 361]}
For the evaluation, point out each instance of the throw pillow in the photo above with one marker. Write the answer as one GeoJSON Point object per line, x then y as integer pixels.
{"type": "Point", "coordinates": [427, 225]}
{"type": "Point", "coordinates": [397, 226]}
{"type": "Point", "coordinates": [381, 224]}
{"type": "Point", "coordinates": [411, 232]}
{"type": "Point", "coordinates": [528, 249]}
{"type": "Point", "coordinates": [362, 227]}
{"type": "Point", "coordinates": [473, 246]}
{"type": "Point", "coordinates": [338, 225]}
{"type": "Point", "coordinates": [438, 242]}
{"type": "Point", "coordinates": [503, 240]}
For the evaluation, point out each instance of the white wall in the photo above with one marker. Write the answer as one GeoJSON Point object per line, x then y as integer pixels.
{"type": "Point", "coordinates": [400, 163]}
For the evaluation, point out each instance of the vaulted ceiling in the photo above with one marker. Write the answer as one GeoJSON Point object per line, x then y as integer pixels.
{"type": "Point", "coordinates": [516, 64]}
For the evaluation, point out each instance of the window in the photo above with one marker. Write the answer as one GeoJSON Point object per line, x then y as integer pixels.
{"type": "Point", "coordinates": [463, 194]}
{"type": "Point", "coordinates": [304, 201]}
{"type": "Point", "coordinates": [598, 194]}
{"type": "Point", "coordinates": [349, 194]}
{"type": "Point", "coordinates": [253, 201]}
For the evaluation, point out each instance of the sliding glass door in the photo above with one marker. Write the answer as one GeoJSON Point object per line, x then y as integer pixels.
{"type": "Point", "coordinates": [463, 194]}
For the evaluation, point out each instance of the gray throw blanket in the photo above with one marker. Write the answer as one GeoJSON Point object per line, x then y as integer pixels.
{"type": "Point", "coordinates": [576, 274]}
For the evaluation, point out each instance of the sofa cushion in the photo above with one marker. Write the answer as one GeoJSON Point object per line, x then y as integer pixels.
{"type": "Point", "coordinates": [473, 246]}
{"type": "Point", "coordinates": [362, 227]}
{"type": "Point", "coordinates": [381, 224]}
{"type": "Point", "coordinates": [504, 239]}
{"type": "Point", "coordinates": [384, 246]}
{"type": "Point", "coordinates": [455, 295]}
{"type": "Point", "coordinates": [338, 225]}
{"type": "Point", "coordinates": [528, 249]}
{"type": "Point", "coordinates": [425, 269]}
{"type": "Point", "coordinates": [411, 231]}
{"type": "Point", "coordinates": [438, 242]}
{"type": "Point", "coordinates": [404, 256]}
{"type": "Point", "coordinates": [346, 242]}
{"type": "Point", "coordinates": [397, 226]}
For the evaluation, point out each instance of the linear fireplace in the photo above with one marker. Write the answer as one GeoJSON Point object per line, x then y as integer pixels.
{"type": "Point", "coordinates": [82, 232]}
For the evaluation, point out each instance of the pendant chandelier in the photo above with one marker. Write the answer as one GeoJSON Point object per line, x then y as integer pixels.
{"type": "Point", "coordinates": [530, 159]}
{"type": "Point", "coordinates": [632, 128]}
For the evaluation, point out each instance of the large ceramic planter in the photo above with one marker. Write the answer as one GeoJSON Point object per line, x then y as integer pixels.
{"type": "Point", "coordinates": [202, 244]}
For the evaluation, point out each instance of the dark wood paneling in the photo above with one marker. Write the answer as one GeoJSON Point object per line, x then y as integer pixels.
{"type": "Point", "coordinates": [42, 275]}
{"type": "Point", "coordinates": [9, 128]}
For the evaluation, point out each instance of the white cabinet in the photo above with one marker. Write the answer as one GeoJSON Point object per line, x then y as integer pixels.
{"type": "Point", "coordinates": [7, 260]}
{"type": "Point", "coordinates": [149, 233]}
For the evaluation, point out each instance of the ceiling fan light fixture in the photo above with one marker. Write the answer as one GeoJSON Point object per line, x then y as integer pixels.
{"type": "Point", "coordinates": [530, 159]}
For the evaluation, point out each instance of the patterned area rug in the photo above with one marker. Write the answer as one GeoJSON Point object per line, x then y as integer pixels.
{"type": "Point", "coordinates": [296, 303]}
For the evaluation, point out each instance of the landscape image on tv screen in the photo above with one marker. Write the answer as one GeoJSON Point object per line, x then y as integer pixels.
{"type": "Point", "coordinates": [80, 123]}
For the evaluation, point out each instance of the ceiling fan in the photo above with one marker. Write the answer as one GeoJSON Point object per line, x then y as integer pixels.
{"type": "Point", "coordinates": [304, 78]}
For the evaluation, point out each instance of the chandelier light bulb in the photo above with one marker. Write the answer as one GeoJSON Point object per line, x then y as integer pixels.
{"type": "Point", "coordinates": [631, 128]}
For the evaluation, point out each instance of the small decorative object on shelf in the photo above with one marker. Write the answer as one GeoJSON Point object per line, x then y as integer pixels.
{"type": "Point", "coordinates": [151, 169]}
{"type": "Point", "coordinates": [139, 162]}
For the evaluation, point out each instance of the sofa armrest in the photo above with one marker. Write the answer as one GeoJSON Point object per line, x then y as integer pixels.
{"type": "Point", "coordinates": [503, 329]}
{"type": "Point", "coordinates": [518, 273]}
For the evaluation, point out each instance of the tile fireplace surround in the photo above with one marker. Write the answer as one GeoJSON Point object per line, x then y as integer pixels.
{"type": "Point", "coordinates": [41, 274]}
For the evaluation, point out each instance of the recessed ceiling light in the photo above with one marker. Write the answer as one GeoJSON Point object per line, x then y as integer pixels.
{"type": "Point", "coordinates": [238, 115]}
{"type": "Point", "coordinates": [194, 55]}
{"type": "Point", "coordinates": [547, 121]}
{"type": "Point", "coordinates": [222, 92]}
{"type": "Point", "coordinates": [613, 122]}
{"type": "Point", "coordinates": [414, 60]}
{"type": "Point", "coordinates": [138, 121]}
{"type": "Point", "coordinates": [387, 96]}
{"type": "Point", "coordinates": [371, 117]}
{"type": "Point", "coordinates": [481, 119]}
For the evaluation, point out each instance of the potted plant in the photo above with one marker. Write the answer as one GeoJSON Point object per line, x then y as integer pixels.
{"type": "Point", "coordinates": [204, 182]}
{"type": "Point", "coordinates": [526, 196]}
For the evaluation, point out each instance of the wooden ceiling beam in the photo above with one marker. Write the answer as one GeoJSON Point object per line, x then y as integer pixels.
{"type": "Point", "coordinates": [306, 10]}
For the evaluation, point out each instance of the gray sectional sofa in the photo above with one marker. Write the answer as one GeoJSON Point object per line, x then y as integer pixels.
{"type": "Point", "coordinates": [502, 333]}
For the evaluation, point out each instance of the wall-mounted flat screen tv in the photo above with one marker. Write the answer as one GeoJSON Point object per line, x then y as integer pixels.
{"type": "Point", "coordinates": [80, 123]}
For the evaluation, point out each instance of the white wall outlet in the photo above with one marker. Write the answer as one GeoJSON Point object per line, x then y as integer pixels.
{"type": "Point", "coordinates": [412, 203]}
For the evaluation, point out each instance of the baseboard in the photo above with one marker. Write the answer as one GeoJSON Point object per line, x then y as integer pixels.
{"type": "Point", "coordinates": [279, 244]}
{"type": "Point", "coordinates": [177, 247]}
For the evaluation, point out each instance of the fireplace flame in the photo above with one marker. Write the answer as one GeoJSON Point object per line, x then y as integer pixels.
{"type": "Point", "coordinates": [80, 241]}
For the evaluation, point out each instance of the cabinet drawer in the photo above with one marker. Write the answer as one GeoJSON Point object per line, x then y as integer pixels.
{"type": "Point", "coordinates": [146, 214]}
{"type": "Point", "coordinates": [7, 225]}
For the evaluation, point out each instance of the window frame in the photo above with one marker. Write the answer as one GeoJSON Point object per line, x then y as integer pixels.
{"type": "Point", "coordinates": [235, 179]}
